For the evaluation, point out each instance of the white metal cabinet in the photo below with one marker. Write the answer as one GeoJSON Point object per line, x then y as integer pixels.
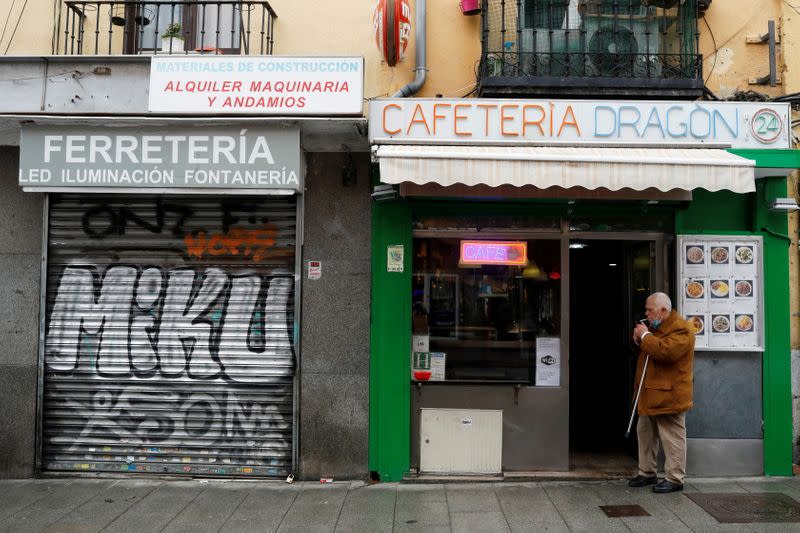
{"type": "Point", "coordinates": [467, 441]}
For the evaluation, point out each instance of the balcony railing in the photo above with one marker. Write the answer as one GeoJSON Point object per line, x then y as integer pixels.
{"type": "Point", "coordinates": [592, 65]}
{"type": "Point", "coordinates": [636, 48]}
{"type": "Point", "coordinates": [108, 27]}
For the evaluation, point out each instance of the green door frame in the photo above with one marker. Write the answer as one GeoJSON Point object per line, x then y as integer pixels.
{"type": "Point", "coordinates": [390, 400]}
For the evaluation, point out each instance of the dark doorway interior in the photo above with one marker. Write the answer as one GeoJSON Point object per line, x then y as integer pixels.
{"type": "Point", "coordinates": [609, 282]}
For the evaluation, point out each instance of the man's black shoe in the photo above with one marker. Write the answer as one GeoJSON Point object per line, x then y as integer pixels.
{"type": "Point", "coordinates": [667, 486]}
{"type": "Point", "coordinates": [641, 481]}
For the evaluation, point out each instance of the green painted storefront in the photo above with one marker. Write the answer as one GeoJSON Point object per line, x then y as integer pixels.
{"type": "Point", "coordinates": [717, 213]}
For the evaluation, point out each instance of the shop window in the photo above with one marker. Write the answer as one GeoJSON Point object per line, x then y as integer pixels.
{"type": "Point", "coordinates": [486, 317]}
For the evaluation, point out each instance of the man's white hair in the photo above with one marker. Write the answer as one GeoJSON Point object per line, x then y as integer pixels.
{"type": "Point", "coordinates": [661, 300]}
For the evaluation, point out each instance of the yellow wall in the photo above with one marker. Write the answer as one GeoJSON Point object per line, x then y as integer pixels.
{"type": "Point", "coordinates": [735, 62]}
{"type": "Point", "coordinates": [35, 30]}
{"type": "Point", "coordinates": [453, 44]}
{"type": "Point", "coordinates": [345, 28]}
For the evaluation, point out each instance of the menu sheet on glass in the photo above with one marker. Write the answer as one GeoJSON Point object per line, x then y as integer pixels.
{"type": "Point", "coordinates": [720, 291]}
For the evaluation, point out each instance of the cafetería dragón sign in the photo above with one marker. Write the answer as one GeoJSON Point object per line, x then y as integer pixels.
{"type": "Point", "coordinates": [228, 157]}
{"type": "Point", "coordinates": [579, 122]}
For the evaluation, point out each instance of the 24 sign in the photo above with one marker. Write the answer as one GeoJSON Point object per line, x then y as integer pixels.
{"type": "Point", "coordinates": [766, 126]}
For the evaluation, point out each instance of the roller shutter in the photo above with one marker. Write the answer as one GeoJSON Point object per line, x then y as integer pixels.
{"type": "Point", "coordinates": [169, 335]}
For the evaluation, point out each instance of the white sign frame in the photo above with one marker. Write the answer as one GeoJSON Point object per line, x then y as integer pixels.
{"type": "Point", "coordinates": [487, 121]}
{"type": "Point", "coordinates": [709, 305]}
{"type": "Point", "coordinates": [256, 85]}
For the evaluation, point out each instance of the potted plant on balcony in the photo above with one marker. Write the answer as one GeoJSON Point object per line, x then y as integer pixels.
{"type": "Point", "coordinates": [172, 39]}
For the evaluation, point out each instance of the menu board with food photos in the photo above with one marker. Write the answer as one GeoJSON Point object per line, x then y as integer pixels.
{"type": "Point", "coordinates": [721, 291]}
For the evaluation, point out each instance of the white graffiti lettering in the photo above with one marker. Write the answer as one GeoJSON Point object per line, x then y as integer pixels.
{"type": "Point", "coordinates": [189, 325]}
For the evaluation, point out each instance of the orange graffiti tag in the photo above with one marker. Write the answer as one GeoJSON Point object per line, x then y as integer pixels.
{"type": "Point", "coordinates": [252, 243]}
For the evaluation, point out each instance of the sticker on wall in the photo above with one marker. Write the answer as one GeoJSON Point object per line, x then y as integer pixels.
{"type": "Point", "coordinates": [395, 255]}
{"type": "Point", "coordinates": [548, 362]}
{"type": "Point", "coordinates": [438, 362]}
{"type": "Point", "coordinates": [314, 269]}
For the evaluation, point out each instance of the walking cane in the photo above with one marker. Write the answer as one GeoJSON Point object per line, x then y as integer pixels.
{"type": "Point", "coordinates": [638, 392]}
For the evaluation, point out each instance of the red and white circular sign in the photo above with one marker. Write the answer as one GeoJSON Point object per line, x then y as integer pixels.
{"type": "Point", "coordinates": [391, 22]}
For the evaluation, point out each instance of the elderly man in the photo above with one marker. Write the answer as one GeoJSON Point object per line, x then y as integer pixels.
{"type": "Point", "coordinates": [666, 394]}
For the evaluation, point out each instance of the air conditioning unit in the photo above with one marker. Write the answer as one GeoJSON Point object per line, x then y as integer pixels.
{"type": "Point", "coordinates": [623, 45]}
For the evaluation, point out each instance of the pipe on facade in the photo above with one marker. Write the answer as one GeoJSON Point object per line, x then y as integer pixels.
{"type": "Point", "coordinates": [421, 58]}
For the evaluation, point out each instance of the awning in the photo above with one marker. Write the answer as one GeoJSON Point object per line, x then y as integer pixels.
{"type": "Point", "coordinates": [559, 166]}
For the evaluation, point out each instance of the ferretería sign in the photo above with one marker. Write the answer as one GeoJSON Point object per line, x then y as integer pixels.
{"type": "Point", "coordinates": [229, 157]}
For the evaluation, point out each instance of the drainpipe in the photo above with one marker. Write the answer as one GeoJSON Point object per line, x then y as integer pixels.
{"type": "Point", "coordinates": [421, 58]}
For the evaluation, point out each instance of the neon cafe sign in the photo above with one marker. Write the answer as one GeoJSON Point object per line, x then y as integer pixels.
{"type": "Point", "coordinates": [494, 253]}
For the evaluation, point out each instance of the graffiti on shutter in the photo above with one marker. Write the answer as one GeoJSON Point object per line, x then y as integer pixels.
{"type": "Point", "coordinates": [169, 342]}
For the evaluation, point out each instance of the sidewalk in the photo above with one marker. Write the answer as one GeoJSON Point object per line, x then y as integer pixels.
{"type": "Point", "coordinates": [145, 505]}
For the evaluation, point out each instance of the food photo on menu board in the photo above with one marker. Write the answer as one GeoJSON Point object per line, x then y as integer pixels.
{"type": "Point", "coordinates": [695, 289]}
{"type": "Point", "coordinates": [720, 255]}
{"type": "Point", "coordinates": [744, 255]}
{"type": "Point", "coordinates": [695, 255]}
{"type": "Point", "coordinates": [744, 323]}
{"type": "Point", "coordinates": [698, 322]}
{"type": "Point", "coordinates": [720, 324]}
{"type": "Point", "coordinates": [743, 288]}
{"type": "Point", "coordinates": [719, 288]}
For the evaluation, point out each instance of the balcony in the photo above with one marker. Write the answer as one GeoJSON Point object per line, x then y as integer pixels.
{"type": "Point", "coordinates": [590, 49]}
{"type": "Point", "coordinates": [152, 28]}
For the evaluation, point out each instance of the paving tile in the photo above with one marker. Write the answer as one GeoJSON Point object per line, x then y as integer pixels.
{"type": "Point", "coordinates": [464, 501]}
{"type": "Point", "coordinates": [479, 522]}
{"type": "Point", "coordinates": [532, 527]}
{"type": "Point", "coordinates": [367, 510]}
{"type": "Point", "coordinates": [46, 511]}
{"type": "Point", "coordinates": [614, 526]}
{"type": "Point", "coordinates": [263, 509]}
{"type": "Point", "coordinates": [772, 486]}
{"type": "Point", "coordinates": [376, 527]}
{"type": "Point", "coordinates": [16, 495]}
{"type": "Point", "coordinates": [419, 487]}
{"type": "Point", "coordinates": [614, 494]}
{"type": "Point", "coordinates": [107, 506]}
{"type": "Point", "coordinates": [772, 528]}
{"type": "Point", "coordinates": [566, 496]}
{"type": "Point", "coordinates": [431, 493]}
{"type": "Point", "coordinates": [414, 528]}
{"type": "Point", "coordinates": [469, 486]}
{"type": "Point", "coordinates": [584, 514]}
{"type": "Point", "coordinates": [533, 511]}
{"type": "Point", "coordinates": [144, 505]}
{"type": "Point", "coordinates": [721, 528]}
{"type": "Point", "coordinates": [318, 508]}
{"type": "Point", "coordinates": [209, 511]}
{"type": "Point", "coordinates": [706, 486]}
{"type": "Point", "coordinates": [689, 512]}
{"type": "Point", "coordinates": [648, 524]}
{"type": "Point", "coordinates": [520, 491]}
{"type": "Point", "coordinates": [422, 513]}
{"type": "Point", "coordinates": [157, 509]}
{"type": "Point", "coordinates": [294, 528]}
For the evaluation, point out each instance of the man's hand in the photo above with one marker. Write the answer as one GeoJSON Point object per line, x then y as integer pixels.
{"type": "Point", "coordinates": [638, 331]}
